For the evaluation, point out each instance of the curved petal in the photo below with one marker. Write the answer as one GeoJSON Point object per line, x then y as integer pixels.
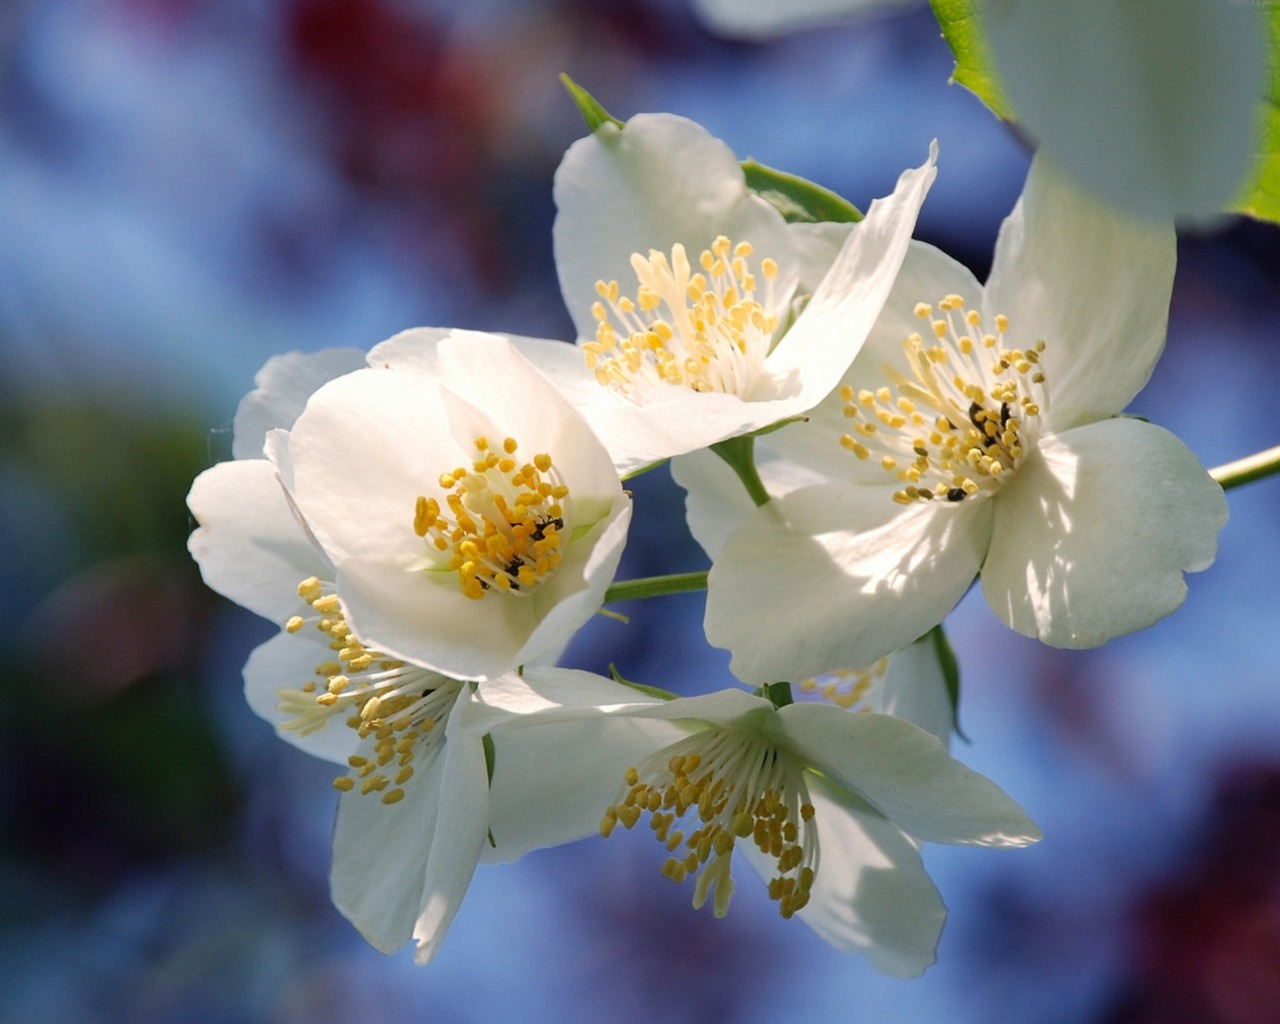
{"type": "Point", "coordinates": [871, 894]}
{"type": "Point", "coordinates": [367, 445]}
{"type": "Point", "coordinates": [424, 617]}
{"type": "Point", "coordinates": [508, 393]}
{"type": "Point", "coordinates": [822, 343]}
{"type": "Point", "coordinates": [554, 778]}
{"type": "Point", "coordinates": [462, 823]}
{"type": "Point", "coordinates": [249, 546]}
{"type": "Point", "coordinates": [288, 661]}
{"type": "Point", "coordinates": [1154, 107]}
{"type": "Point", "coordinates": [825, 578]}
{"type": "Point", "coordinates": [1093, 284]}
{"type": "Point", "coordinates": [1091, 538]}
{"type": "Point", "coordinates": [576, 591]}
{"type": "Point", "coordinates": [659, 180]}
{"type": "Point", "coordinates": [283, 386]}
{"type": "Point", "coordinates": [816, 247]}
{"type": "Point", "coordinates": [380, 857]}
{"type": "Point", "coordinates": [907, 775]}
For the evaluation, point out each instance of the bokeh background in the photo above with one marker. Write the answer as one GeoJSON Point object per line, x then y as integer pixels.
{"type": "Point", "coordinates": [190, 186]}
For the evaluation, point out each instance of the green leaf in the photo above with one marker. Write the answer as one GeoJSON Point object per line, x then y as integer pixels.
{"type": "Point", "coordinates": [1261, 198]}
{"type": "Point", "coordinates": [797, 199]}
{"type": "Point", "coordinates": [950, 673]}
{"type": "Point", "coordinates": [962, 29]}
{"type": "Point", "coordinates": [778, 694]}
{"type": "Point", "coordinates": [588, 106]}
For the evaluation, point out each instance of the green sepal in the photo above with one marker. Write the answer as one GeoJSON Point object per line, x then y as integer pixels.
{"type": "Point", "coordinates": [588, 106]}
{"type": "Point", "coordinates": [656, 586]}
{"type": "Point", "coordinates": [642, 470]}
{"type": "Point", "coordinates": [490, 756]}
{"type": "Point", "coordinates": [650, 691]}
{"type": "Point", "coordinates": [961, 27]}
{"type": "Point", "coordinates": [799, 200]}
{"type": "Point", "coordinates": [739, 453]}
{"type": "Point", "coordinates": [777, 694]}
{"type": "Point", "coordinates": [950, 673]}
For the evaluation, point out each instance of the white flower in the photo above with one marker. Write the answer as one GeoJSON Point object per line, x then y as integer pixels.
{"type": "Point", "coordinates": [681, 283]}
{"type": "Point", "coordinates": [473, 519]}
{"type": "Point", "coordinates": [829, 806]}
{"type": "Point", "coordinates": [992, 447]}
{"type": "Point", "coordinates": [414, 812]}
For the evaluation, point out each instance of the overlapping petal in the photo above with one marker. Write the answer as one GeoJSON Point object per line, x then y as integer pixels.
{"type": "Point", "coordinates": [372, 442]}
{"type": "Point", "coordinates": [844, 580]}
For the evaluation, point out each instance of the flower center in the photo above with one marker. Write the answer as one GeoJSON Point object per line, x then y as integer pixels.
{"type": "Point", "coordinates": [402, 707]}
{"type": "Point", "coordinates": [964, 419]}
{"type": "Point", "coordinates": [504, 522]}
{"type": "Point", "coordinates": [846, 687]}
{"type": "Point", "coordinates": [737, 786]}
{"type": "Point", "coordinates": [703, 330]}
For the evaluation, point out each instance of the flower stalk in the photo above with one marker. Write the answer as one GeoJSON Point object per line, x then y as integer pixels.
{"type": "Point", "coordinates": [656, 586]}
{"type": "Point", "coordinates": [1245, 471]}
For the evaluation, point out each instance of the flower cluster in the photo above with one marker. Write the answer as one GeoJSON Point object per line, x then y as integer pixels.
{"type": "Point", "coordinates": [863, 431]}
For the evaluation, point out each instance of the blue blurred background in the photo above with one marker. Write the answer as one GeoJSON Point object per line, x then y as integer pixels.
{"type": "Point", "coordinates": [190, 186]}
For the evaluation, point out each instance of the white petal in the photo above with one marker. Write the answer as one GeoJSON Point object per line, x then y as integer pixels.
{"type": "Point", "coordinates": [380, 857]}
{"type": "Point", "coordinates": [816, 248]}
{"type": "Point", "coordinates": [287, 661]}
{"type": "Point", "coordinates": [822, 343]}
{"type": "Point", "coordinates": [716, 501]}
{"type": "Point", "coordinates": [424, 617]}
{"type": "Point", "coordinates": [1093, 284]}
{"type": "Point", "coordinates": [837, 576]}
{"type": "Point", "coordinates": [554, 778]}
{"type": "Point", "coordinates": [413, 350]}
{"type": "Point", "coordinates": [1091, 538]}
{"type": "Point", "coordinates": [461, 826]}
{"type": "Point", "coordinates": [488, 373]}
{"type": "Point", "coordinates": [906, 774]}
{"type": "Point", "coordinates": [1154, 107]}
{"type": "Point", "coordinates": [249, 545]}
{"type": "Point", "coordinates": [366, 447]}
{"type": "Point", "coordinates": [765, 17]}
{"type": "Point", "coordinates": [871, 894]}
{"type": "Point", "coordinates": [914, 689]}
{"type": "Point", "coordinates": [660, 180]}
{"type": "Point", "coordinates": [552, 693]}
{"type": "Point", "coordinates": [283, 386]}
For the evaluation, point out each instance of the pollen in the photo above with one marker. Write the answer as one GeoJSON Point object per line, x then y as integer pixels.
{"type": "Point", "coordinates": [712, 789]}
{"type": "Point", "coordinates": [848, 688]}
{"type": "Point", "coordinates": [962, 422]}
{"type": "Point", "coordinates": [396, 710]}
{"type": "Point", "coordinates": [502, 525]}
{"type": "Point", "coordinates": [707, 329]}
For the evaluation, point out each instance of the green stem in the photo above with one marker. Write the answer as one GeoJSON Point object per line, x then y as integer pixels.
{"type": "Point", "coordinates": [1247, 470]}
{"type": "Point", "coordinates": [739, 453]}
{"type": "Point", "coordinates": [656, 586]}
